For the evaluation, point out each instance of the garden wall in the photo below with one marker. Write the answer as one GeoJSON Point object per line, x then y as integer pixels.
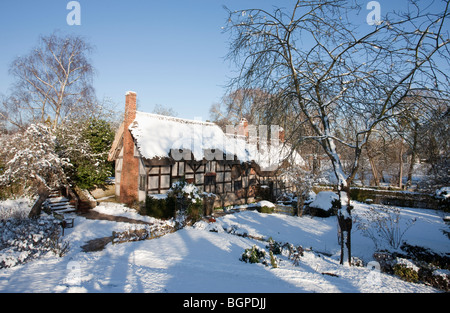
{"type": "Point", "coordinates": [398, 198]}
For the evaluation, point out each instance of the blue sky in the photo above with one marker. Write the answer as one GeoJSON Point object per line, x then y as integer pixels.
{"type": "Point", "coordinates": [170, 52]}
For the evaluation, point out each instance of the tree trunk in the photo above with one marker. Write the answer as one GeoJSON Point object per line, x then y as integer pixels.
{"type": "Point", "coordinates": [410, 170]}
{"type": "Point", "coordinates": [37, 207]}
{"type": "Point", "coordinates": [344, 211]}
{"type": "Point", "coordinates": [345, 224]}
{"type": "Point", "coordinates": [376, 177]}
{"type": "Point", "coordinates": [413, 158]}
{"type": "Point", "coordinates": [400, 170]}
{"type": "Point", "coordinates": [300, 203]}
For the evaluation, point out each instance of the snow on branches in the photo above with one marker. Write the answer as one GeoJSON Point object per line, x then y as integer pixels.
{"type": "Point", "coordinates": [29, 157]}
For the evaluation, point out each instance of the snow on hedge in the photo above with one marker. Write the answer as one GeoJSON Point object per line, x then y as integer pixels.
{"type": "Point", "coordinates": [443, 192]}
{"type": "Point", "coordinates": [323, 200]}
{"type": "Point", "coordinates": [265, 203]}
{"type": "Point", "coordinates": [17, 208]}
{"type": "Point", "coordinates": [22, 240]}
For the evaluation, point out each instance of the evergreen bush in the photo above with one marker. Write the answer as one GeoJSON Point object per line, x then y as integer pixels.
{"type": "Point", "coordinates": [253, 255]}
{"type": "Point", "coordinates": [195, 211]}
{"type": "Point", "coordinates": [265, 209]}
{"type": "Point", "coordinates": [273, 260]}
{"type": "Point", "coordinates": [160, 208]}
{"type": "Point", "coordinates": [274, 246]}
{"type": "Point", "coordinates": [406, 273]}
{"type": "Point", "coordinates": [187, 199]}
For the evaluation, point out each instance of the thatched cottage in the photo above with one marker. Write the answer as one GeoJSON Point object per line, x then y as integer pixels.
{"type": "Point", "coordinates": [151, 152]}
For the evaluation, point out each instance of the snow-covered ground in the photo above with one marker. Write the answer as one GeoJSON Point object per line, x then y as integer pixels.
{"type": "Point", "coordinates": [197, 260]}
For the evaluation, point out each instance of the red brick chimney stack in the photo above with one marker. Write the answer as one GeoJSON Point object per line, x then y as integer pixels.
{"type": "Point", "coordinates": [130, 107]}
{"type": "Point", "coordinates": [129, 178]}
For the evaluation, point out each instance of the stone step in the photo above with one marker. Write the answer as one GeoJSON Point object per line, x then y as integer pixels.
{"type": "Point", "coordinates": [57, 204]}
{"type": "Point", "coordinates": [65, 210]}
{"type": "Point", "coordinates": [57, 199]}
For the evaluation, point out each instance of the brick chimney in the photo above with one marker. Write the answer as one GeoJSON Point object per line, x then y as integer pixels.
{"type": "Point", "coordinates": [129, 178]}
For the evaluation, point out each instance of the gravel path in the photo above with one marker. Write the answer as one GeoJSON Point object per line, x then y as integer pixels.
{"type": "Point", "coordinates": [100, 243]}
{"type": "Point", "coordinates": [93, 215]}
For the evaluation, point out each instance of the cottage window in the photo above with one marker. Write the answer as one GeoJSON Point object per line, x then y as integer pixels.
{"type": "Point", "coordinates": [237, 185]}
{"type": "Point", "coordinates": [181, 169]}
{"type": "Point", "coordinates": [210, 179]}
{"type": "Point", "coordinates": [142, 182]}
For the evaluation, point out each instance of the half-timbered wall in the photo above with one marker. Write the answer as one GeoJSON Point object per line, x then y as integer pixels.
{"type": "Point", "coordinates": [212, 177]}
{"type": "Point", "coordinates": [209, 177]}
{"type": "Point", "coordinates": [216, 177]}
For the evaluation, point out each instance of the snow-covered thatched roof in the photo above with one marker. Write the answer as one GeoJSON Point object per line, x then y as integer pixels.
{"type": "Point", "coordinates": [159, 136]}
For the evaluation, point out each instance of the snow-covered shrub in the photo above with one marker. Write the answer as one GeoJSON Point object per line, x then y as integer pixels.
{"type": "Point", "coordinates": [265, 206]}
{"type": "Point", "coordinates": [256, 255]}
{"type": "Point", "coordinates": [253, 255]}
{"type": "Point", "coordinates": [58, 245]}
{"type": "Point", "coordinates": [25, 239]}
{"type": "Point", "coordinates": [211, 227]}
{"type": "Point", "coordinates": [189, 199]}
{"type": "Point", "coordinates": [295, 253]}
{"type": "Point", "coordinates": [15, 209]}
{"type": "Point", "coordinates": [382, 225]}
{"type": "Point", "coordinates": [273, 260]}
{"type": "Point", "coordinates": [324, 204]}
{"type": "Point", "coordinates": [274, 246]}
{"type": "Point", "coordinates": [439, 278]}
{"type": "Point", "coordinates": [406, 273]}
{"type": "Point", "coordinates": [40, 156]}
{"type": "Point", "coordinates": [183, 189]}
{"type": "Point", "coordinates": [31, 159]}
{"type": "Point", "coordinates": [265, 209]}
{"type": "Point", "coordinates": [432, 268]}
{"type": "Point", "coordinates": [443, 193]}
{"type": "Point", "coordinates": [303, 179]}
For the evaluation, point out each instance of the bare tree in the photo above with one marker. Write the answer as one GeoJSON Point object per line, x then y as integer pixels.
{"type": "Point", "coordinates": [238, 104]}
{"type": "Point", "coordinates": [218, 115]}
{"type": "Point", "coordinates": [416, 123]}
{"type": "Point", "coordinates": [377, 150]}
{"type": "Point", "coordinates": [162, 110]}
{"type": "Point", "coordinates": [53, 81]}
{"type": "Point", "coordinates": [341, 82]}
{"type": "Point", "coordinates": [433, 146]}
{"type": "Point", "coordinates": [302, 178]}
